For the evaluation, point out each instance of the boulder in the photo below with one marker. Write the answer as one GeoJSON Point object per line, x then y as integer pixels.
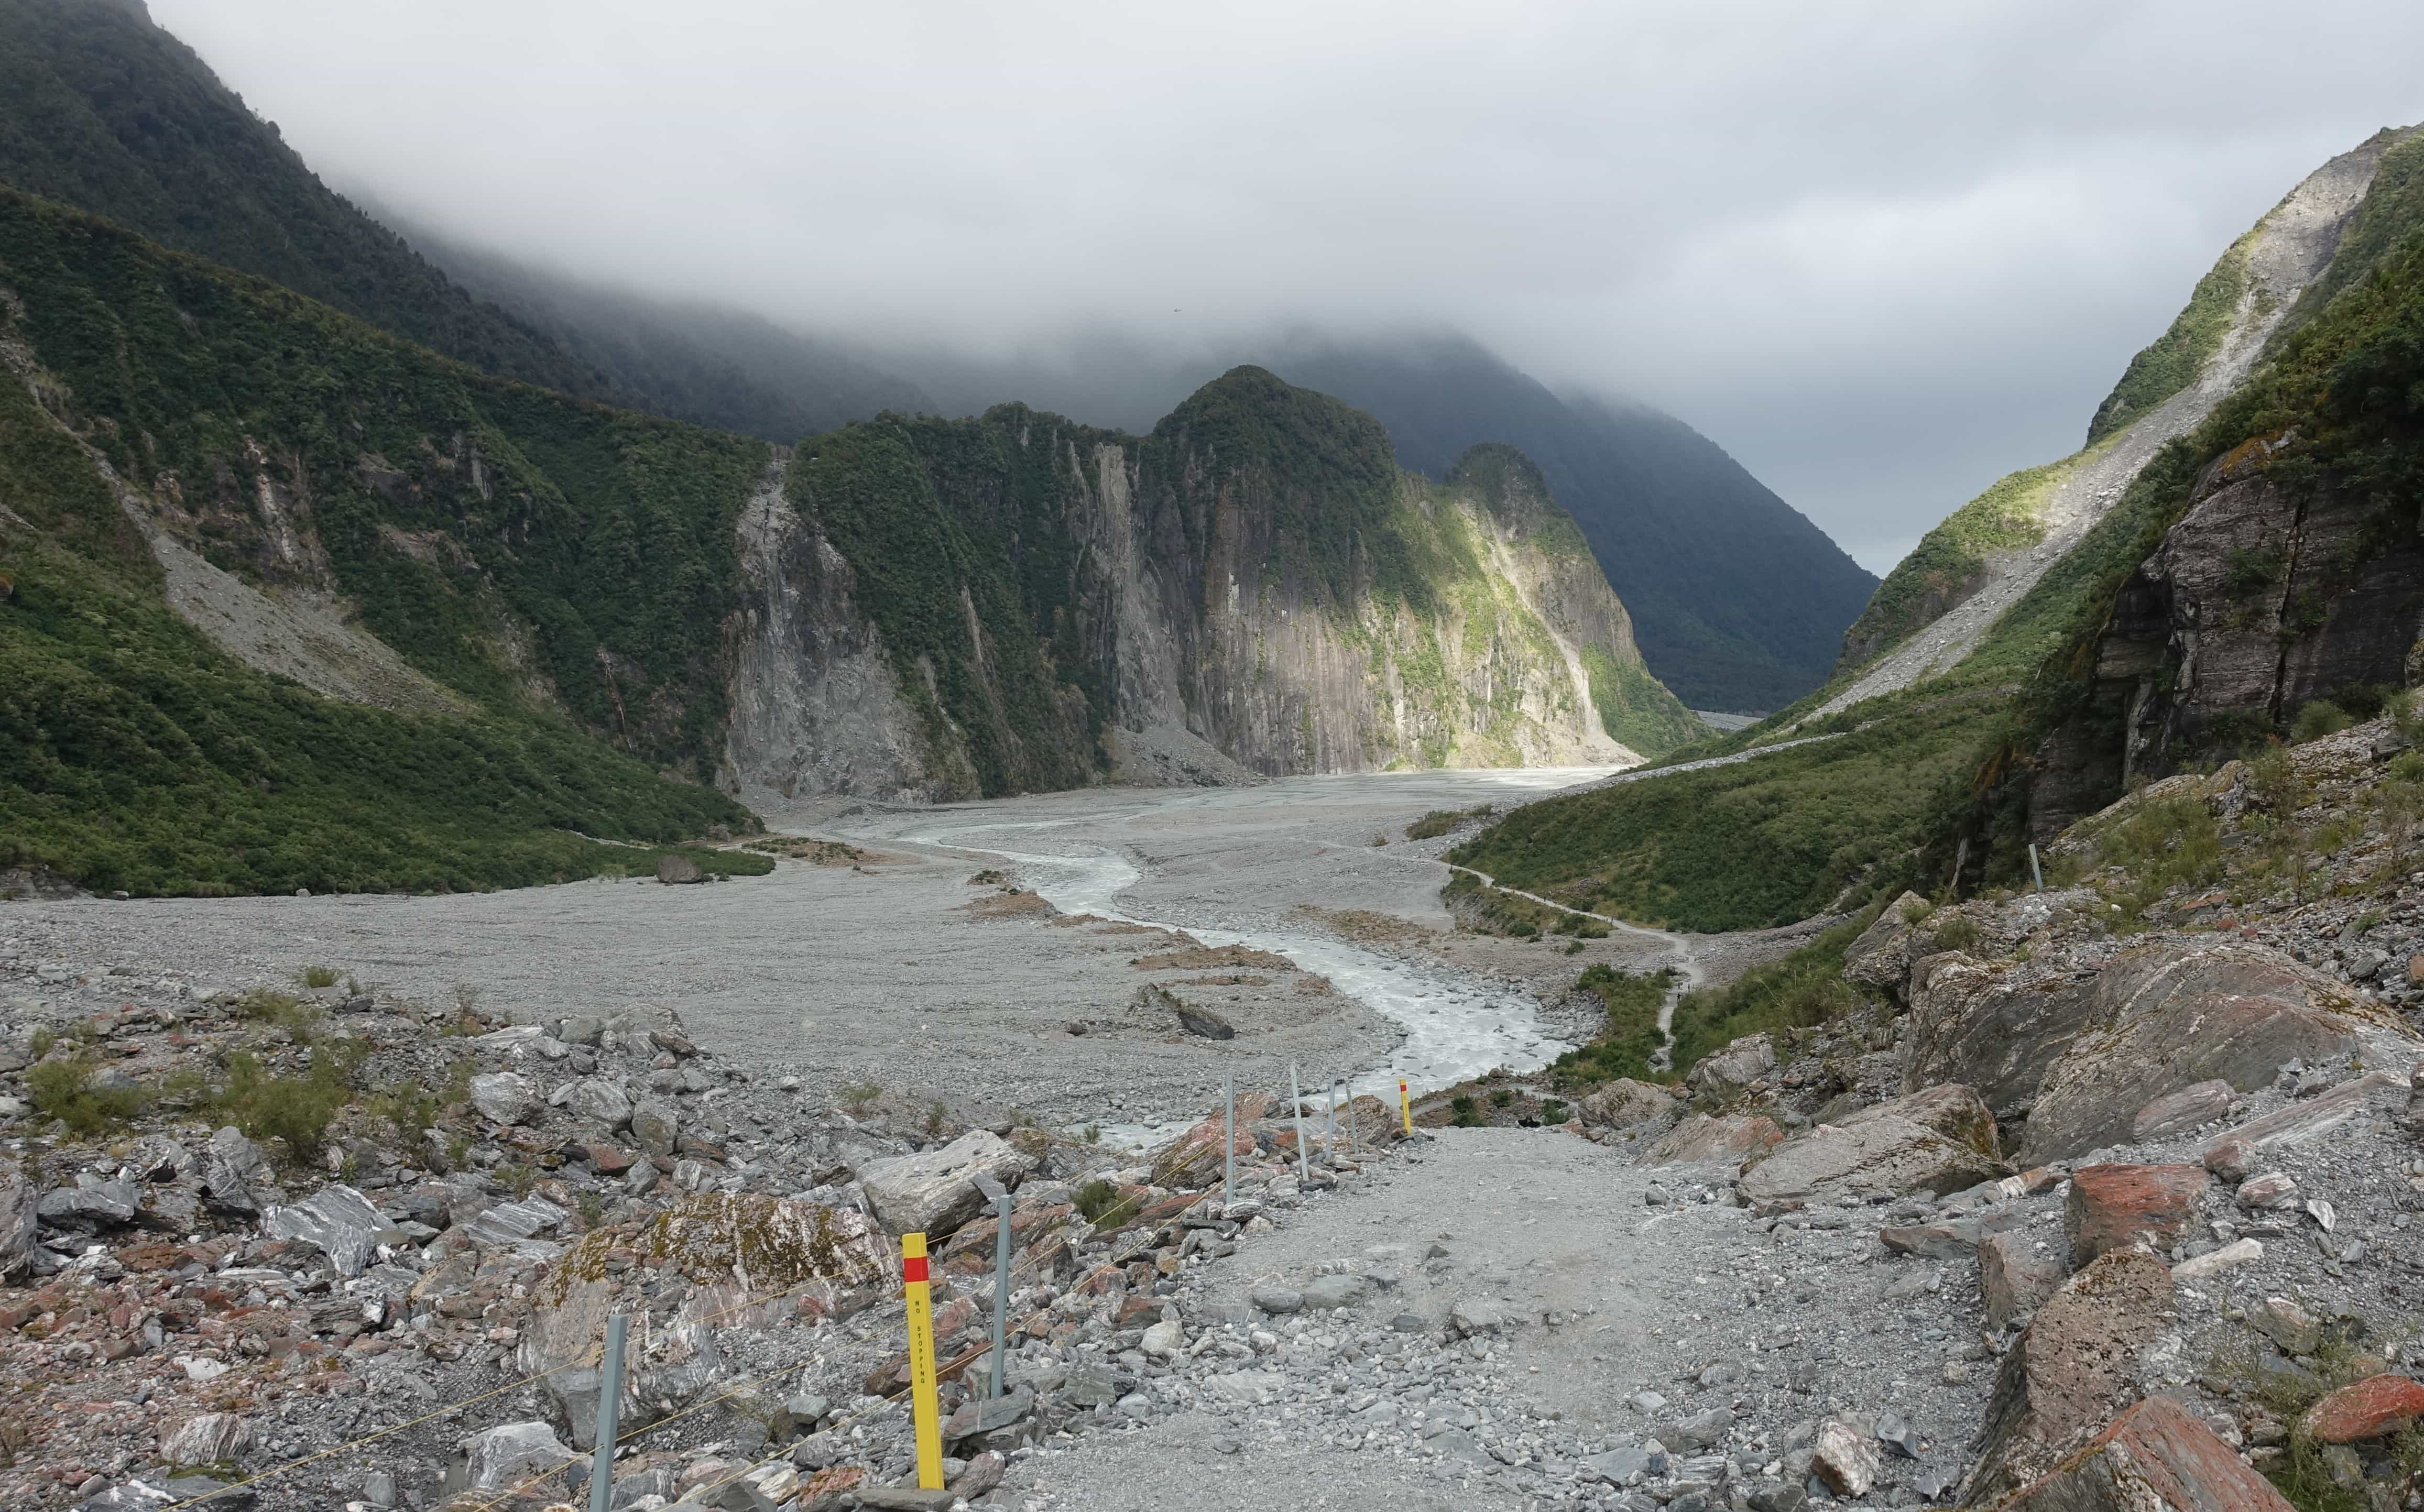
{"type": "Point", "coordinates": [1192, 1161]}
{"type": "Point", "coordinates": [2214, 1261]}
{"type": "Point", "coordinates": [1722, 1077]}
{"type": "Point", "coordinates": [2166, 1017]}
{"type": "Point", "coordinates": [508, 1222]}
{"type": "Point", "coordinates": [205, 1440]}
{"type": "Point", "coordinates": [2310, 1119]}
{"type": "Point", "coordinates": [1992, 1026]}
{"type": "Point", "coordinates": [1205, 1023]}
{"type": "Point", "coordinates": [1278, 1301]}
{"type": "Point", "coordinates": [1880, 958]}
{"type": "Point", "coordinates": [2176, 1112]}
{"type": "Point", "coordinates": [18, 1219]}
{"type": "Point", "coordinates": [600, 1101]}
{"type": "Point", "coordinates": [2071, 1369]}
{"type": "Point", "coordinates": [656, 1127]}
{"type": "Point", "coordinates": [505, 1097]}
{"type": "Point", "coordinates": [2269, 1193]}
{"type": "Point", "coordinates": [2375, 1408]}
{"type": "Point", "coordinates": [933, 1192]}
{"type": "Point", "coordinates": [338, 1219]}
{"type": "Point", "coordinates": [1900, 1145]}
{"type": "Point", "coordinates": [1701, 1137]}
{"type": "Point", "coordinates": [508, 1455]}
{"type": "Point", "coordinates": [2113, 1205]}
{"type": "Point", "coordinates": [1844, 1458]}
{"type": "Point", "coordinates": [2233, 1160]}
{"type": "Point", "coordinates": [1329, 1292]}
{"type": "Point", "coordinates": [2013, 1280]}
{"type": "Point", "coordinates": [91, 1200]}
{"type": "Point", "coordinates": [2287, 1325]}
{"type": "Point", "coordinates": [1625, 1103]}
{"type": "Point", "coordinates": [2155, 1456]}
{"type": "Point", "coordinates": [672, 868]}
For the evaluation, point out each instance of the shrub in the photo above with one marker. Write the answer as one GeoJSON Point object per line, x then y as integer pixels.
{"type": "Point", "coordinates": [2318, 719]}
{"type": "Point", "coordinates": [317, 977]}
{"type": "Point", "coordinates": [280, 1011]}
{"type": "Point", "coordinates": [63, 1089]}
{"type": "Point", "coordinates": [860, 1096]}
{"type": "Point", "coordinates": [1958, 932]}
{"type": "Point", "coordinates": [295, 1110]}
{"type": "Point", "coordinates": [1553, 1111]}
{"type": "Point", "coordinates": [1100, 1202]}
{"type": "Point", "coordinates": [1500, 1097]}
{"type": "Point", "coordinates": [1465, 1113]}
{"type": "Point", "coordinates": [1806, 987]}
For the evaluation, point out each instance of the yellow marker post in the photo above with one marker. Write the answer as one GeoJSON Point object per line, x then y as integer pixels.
{"type": "Point", "coordinates": [1405, 1105]}
{"type": "Point", "coordinates": [921, 1361]}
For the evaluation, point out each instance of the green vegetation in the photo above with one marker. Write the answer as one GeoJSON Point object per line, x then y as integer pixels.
{"type": "Point", "coordinates": [2392, 211]}
{"type": "Point", "coordinates": [2319, 718]}
{"type": "Point", "coordinates": [1439, 820]}
{"type": "Point", "coordinates": [1946, 565]}
{"type": "Point", "coordinates": [1805, 988]}
{"type": "Point", "coordinates": [1101, 1204]}
{"type": "Point", "coordinates": [1628, 1037]}
{"type": "Point", "coordinates": [64, 1090]}
{"type": "Point", "coordinates": [134, 755]}
{"type": "Point", "coordinates": [2173, 362]}
{"type": "Point", "coordinates": [1495, 911]}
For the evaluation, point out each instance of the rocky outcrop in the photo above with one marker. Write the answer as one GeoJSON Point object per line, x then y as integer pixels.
{"type": "Point", "coordinates": [2070, 1371]}
{"type": "Point", "coordinates": [1701, 1137]}
{"type": "Point", "coordinates": [1939, 1140]}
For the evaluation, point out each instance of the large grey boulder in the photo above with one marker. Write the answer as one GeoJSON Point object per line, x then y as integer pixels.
{"type": "Point", "coordinates": [933, 1192]}
{"type": "Point", "coordinates": [2166, 1017]}
{"type": "Point", "coordinates": [337, 1219]}
{"type": "Point", "coordinates": [19, 1218]}
{"type": "Point", "coordinates": [655, 1126]}
{"type": "Point", "coordinates": [505, 1456]}
{"type": "Point", "coordinates": [1700, 1137]}
{"type": "Point", "coordinates": [1727, 1075]}
{"type": "Point", "coordinates": [1938, 1140]}
{"type": "Point", "coordinates": [508, 1222]}
{"type": "Point", "coordinates": [602, 1101]}
{"type": "Point", "coordinates": [1880, 958]}
{"type": "Point", "coordinates": [506, 1097]}
{"type": "Point", "coordinates": [1625, 1103]}
{"type": "Point", "coordinates": [232, 1168]}
{"type": "Point", "coordinates": [90, 1202]}
{"type": "Point", "coordinates": [206, 1438]}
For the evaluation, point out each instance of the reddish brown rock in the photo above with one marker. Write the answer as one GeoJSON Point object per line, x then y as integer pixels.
{"type": "Point", "coordinates": [2153, 1457]}
{"type": "Point", "coordinates": [2233, 1160]}
{"type": "Point", "coordinates": [610, 1160]}
{"type": "Point", "coordinates": [2113, 1205]}
{"type": "Point", "coordinates": [2070, 1369]}
{"type": "Point", "coordinates": [2372, 1408]}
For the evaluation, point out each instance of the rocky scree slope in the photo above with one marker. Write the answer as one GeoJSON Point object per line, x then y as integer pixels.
{"type": "Point", "coordinates": [1256, 578]}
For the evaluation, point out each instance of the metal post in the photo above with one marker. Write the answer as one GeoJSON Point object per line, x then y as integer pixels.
{"type": "Point", "coordinates": [2035, 870]}
{"type": "Point", "coordinates": [610, 1409]}
{"type": "Point", "coordinates": [1000, 1198]}
{"type": "Point", "coordinates": [1296, 1106]}
{"type": "Point", "coordinates": [1332, 1144]}
{"type": "Point", "coordinates": [1229, 1141]}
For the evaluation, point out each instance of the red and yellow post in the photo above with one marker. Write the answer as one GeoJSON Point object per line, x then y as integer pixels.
{"type": "Point", "coordinates": [1405, 1105]}
{"type": "Point", "coordinates": [921, 1361]}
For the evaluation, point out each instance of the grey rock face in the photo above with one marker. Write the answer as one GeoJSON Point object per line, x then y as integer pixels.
{"type": "Point", "coordinates": [2188, 1108]}
{"type": "Point", "coordinates": [600, 1100]}
{"type": "Point", "coordinates": [338, 1219]}
{"type": "Point", "coordinates": [933, 1192]}
{"type": "Point", "coordinates": [18, 1219]}
{"type": "Point", "coordinates": [507, 1222]}
{"type": "Point", "coordinates": [1897, 1146]}
{"type": "Point", "coordinates": [500, 1456]}
{"type": "Point", "coordinates": [505, 1097]}
{"type": "Point", "coordinates": [1722, 1076]}
{"type": "Point", "coordinates": [656, 1127]}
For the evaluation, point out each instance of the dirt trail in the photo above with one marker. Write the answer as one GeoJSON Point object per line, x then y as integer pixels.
{"type": "Point", "coordinates": [1683, 955]}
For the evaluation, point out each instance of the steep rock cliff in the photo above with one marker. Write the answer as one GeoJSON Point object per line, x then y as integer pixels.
{"type": "Point", "coordinates": [1255, 575]}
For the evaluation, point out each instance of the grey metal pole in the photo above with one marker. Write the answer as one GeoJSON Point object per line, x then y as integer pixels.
{"type": "Point", "coordinates": [1331, 1146]}
{"type": "Point", "coordinates": [610, 1409]}
{"type": "Point", "coordinates": [1296, 1106]}
{"type": "Point", "coordinates": [2035, 870]}
{"type": "Point", "coordinates": [1000, 1196]}
{"type": "Point", "coordinates": [1229, 1143]}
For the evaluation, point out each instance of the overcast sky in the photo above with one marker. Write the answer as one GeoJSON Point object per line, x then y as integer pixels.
{"type": "Point", "coordinates": [1882, 253]}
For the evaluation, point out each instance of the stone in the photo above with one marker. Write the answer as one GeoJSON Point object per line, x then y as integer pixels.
{"type": "Point", "coordinates": [2155, 1456]}
{"type": "Point", "coordinates": [674, 868]}
{"type": "Point", "coordinates": [1701, 1137]}
{"type": "Point", "coordinates": [2214, 1261]}
{"type": "Point", "coordinates": [132, 1496]}
{"type": "Point", "coordinates": [1898, 1146]}
{"type": "Point", "coordinates": [2287, 1325]}
{"type": "Point", "coordinates": [2232, 1160]}
{"type": "Point", "coordinates": [1844, 1458]}
{"type": "Point", "coordinates": [1880, 958]}
{"type": "Point", "coordinates": [1933, 1241]}
{"type": "Point", "coordinates": [2304, 1122]}
{"type": "Point", "coordinates": [2167, 1017]}
{"type": "Point", "coordinates": [987, 1414]}
{"type": "Point", "coordinates": [2267, 1193]}
{"type": "Point", "coordinates": [2190, 1107]}
{"type": "Point", "coordinates": [231, 1167]}
{"type": "Point", "coordinates": [1621, 1466]}
{"type": "Point", "coordinates": [1194, 1158]}
{"type": "Point", "coordinates": [509, 1222]}
{"type": "Point", "coordinates": [984, 1473]}
{"type": "Point", "coordinates": [19, 1218]}
{"type": "Point", "coordinates": [1164, 1339]}
{"type": "Point", "coordinates": [206, 1440]}
{"type": "Point", "coordinates": [2110, 1205]}
{"type": "Point", "coordinates": [1623, 1102]}
{"type": "Point", "coordinates": [505, 1455]}
{"type": "Point", "coordinates": [1475, 1316]}
{"type": "Point", "coordinates": [1895, 1432]}
{"type": "Point", "coordinates": [2070, 1369]}
{"type": "Point", "coordinates": [596, 1099]}
{"type": "Point", "coordinates": [656, 1127]}
{"type": "Point", "coordinates": [1203, 1023]}
{"type": "Point", "coordinates": [933, 1192]}
{"type": "Point", "coordinates": [1326, 1293]}
{"type": "Point", "coordinates": [378, 1487]}
{"type": "Point", "coordinates": [90, 1202]}
{"type": "Point", "coordinates": [338, 1219]}
{"type": "Point", "coordinates": [505, 1097]}
{"type": "Point", "coordinates": [903, 1498]}
{"type": "Point", "coordinates": [1725, 1074]}
{"type": "Point", "coordinates": [1276, 1301]}
{"type": "Point", "coordinates": [1700, 1430]}
{"type": "Point", "coordinates": [2375, 1408]}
